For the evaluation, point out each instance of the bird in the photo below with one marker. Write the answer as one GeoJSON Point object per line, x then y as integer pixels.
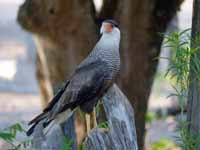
{"type": "Point", "coordinates": [89, 82]}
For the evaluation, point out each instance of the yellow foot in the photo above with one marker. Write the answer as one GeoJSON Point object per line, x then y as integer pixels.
{"type": "Point", "coordinates": [94, 118]}
{"type": "Point", "coordinates": [87, 119]}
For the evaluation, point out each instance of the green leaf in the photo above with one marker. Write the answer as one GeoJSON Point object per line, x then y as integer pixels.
{"type": "Point", "coordinates": [67, 144]}
{"type": "Point", "coordinates": [103, 125]}
{"type": "Point", "coordinates": [6, 136]}
{"type": "Point", "coordinates": [17, 127]}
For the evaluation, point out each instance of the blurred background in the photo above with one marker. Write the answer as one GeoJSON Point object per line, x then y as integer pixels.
{"type": "Point", "coordinates": [20, 98]}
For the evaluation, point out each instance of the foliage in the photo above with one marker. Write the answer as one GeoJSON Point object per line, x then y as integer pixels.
{"type": "Point", "coordinates": [165, 144]}
{"type": "Point", "coordinates": [9, 135]}
{"type": "Point", "coordinates": [151, 116]}
{"type": "Point", "coordinates": [183, 61]}
{"type": "Point", "coordinates": [67, 144]}
{"type": "Point", "coordinates": [103, 125]}
{"type": "Point", "coordinates": [187, 139]}
{"type": "Point", "coordinates": [178, 70]}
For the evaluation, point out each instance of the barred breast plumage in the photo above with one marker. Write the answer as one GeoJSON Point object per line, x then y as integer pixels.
{"type": "Point", "coordinates": [106, 50]}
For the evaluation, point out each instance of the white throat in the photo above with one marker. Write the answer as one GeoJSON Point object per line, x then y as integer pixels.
{"type": "Point", "coordinates": [115, 32]}
{"type": "Point", "coordinates": [111, 38]}
{"type": "Point", "coordinates": [108, 45]}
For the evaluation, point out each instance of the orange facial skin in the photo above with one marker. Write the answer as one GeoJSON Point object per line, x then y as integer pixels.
{"type": "Point", "coordinates": [108, 27]}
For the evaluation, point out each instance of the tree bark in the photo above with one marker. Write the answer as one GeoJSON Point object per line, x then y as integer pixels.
{"type": "Point", "coordinates": [140, 23]}
{"type": "Point", "coordinates": [193, 114]}
{"type": "Point", "coordinates": [67, 31]}
{"type": "Point", "coordinates": [121, 134]}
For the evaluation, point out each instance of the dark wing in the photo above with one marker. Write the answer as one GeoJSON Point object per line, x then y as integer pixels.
{"type": "Point", "coordinates": [87, 83]}
{"type": "Point", "coordinates": [51, 104]}
{"type": "Point", "coordinates": [56, 97]}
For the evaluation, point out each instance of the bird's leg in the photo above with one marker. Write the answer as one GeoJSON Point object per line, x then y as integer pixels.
{"type": "Point", "coordinates": [94, 118]}
{"type": "Point", "coordinates": [87, 119]}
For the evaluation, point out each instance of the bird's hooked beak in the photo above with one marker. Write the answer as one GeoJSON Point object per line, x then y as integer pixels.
{"type": "Point", "coordinates": [106, 28]}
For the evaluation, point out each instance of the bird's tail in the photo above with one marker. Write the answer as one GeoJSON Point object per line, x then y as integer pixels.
{"type": "Point", "coordinates": [46, 115]}
{"type": "Point", "coordinates": [38, 118]}
{"type": "Point", "coordinates": [58, 119]}
{"type": "Point", "coordinates": [35, 121]}
{"type": "Point", "coordinates": [31, 129]}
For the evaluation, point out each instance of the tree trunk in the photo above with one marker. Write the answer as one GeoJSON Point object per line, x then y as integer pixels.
{"type": "Point", "coordinates": [141, 23]}
{"type": "Point", "coordinates": [193, 112]}
{"type": "Point", "coordinates": [67, 31]}
{"type": "Point", "coordinates": [121, 134]}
